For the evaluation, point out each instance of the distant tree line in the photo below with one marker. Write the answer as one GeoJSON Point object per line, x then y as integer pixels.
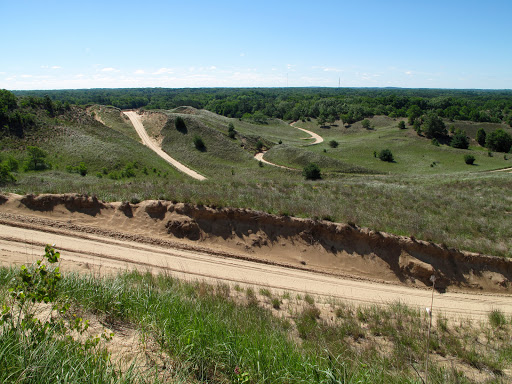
{"type": "Point", "coordinates": [327, 104]}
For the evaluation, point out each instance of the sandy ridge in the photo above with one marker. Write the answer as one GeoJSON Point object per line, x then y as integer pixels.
{"type": "Point", "coordinates": [139, 127]}
{"type": "Point", "coordinates": [17, 245]}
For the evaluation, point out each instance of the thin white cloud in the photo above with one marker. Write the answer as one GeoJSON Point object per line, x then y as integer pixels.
{"type": "Point", "coordinates": [109, 69]}
{"type": "Point", "coordinates": [408, 73]}
{"type": "Point", "coordinates": [56, 67]}
{"type": "Point", "coordinates": [164, 71]}
{"type": "Point", "coordinates": [242, 54]}
{"type": "Point", "coordinates": [26, 76]}
{"type": "Point", "coordinates": [139, 72]}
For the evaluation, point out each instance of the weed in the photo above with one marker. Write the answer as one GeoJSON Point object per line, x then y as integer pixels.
{"type": "Point", "coordinates": [497, 318]}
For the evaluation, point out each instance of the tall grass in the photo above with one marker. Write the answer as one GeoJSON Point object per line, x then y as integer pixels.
{"type": "Point", "coordinates": [205, 334]}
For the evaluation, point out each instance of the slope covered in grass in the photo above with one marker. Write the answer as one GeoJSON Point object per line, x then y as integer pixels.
{"type": "Point", "coordinates": [195, 332]}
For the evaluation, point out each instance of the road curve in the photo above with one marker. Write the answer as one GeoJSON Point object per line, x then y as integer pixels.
{"type": "Point", "coordinates": [318, 139]}
{"type": "Point", "coordinates": [137, 124]}
{"type": "Point", "coordinates": [81, 251]}
{"type": "Point", "coordinates": [259, 157]}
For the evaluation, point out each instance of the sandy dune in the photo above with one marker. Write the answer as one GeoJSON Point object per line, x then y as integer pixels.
{"type": "Point", "coordinates": [137, 123]}
{"type": "Point", "coordinates": [94, 236]}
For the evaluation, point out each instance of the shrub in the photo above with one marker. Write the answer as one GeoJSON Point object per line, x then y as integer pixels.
{"type": "Point", "coordinates": [401, 124]}
{"type": "Point", "coordinates": [36, 159]}
{"type": "Point", "coordinates": [435, 142]}
{"type": "Point", "coordinates": [180, 125]}
{"type": "Point", "coordinates": [12, 163]}
{"type": "Point", "coordinates": [481, 135]}
{"type": "Point", "coordinates": [5, 174]}
{"type": "Point", "coordinates": [459, 140]}
{"type": "Point", "coordinates": [333, 144]}
{"type": "Point", "coordinates": [312, 172]}
{"type": "Point", "coordinates": [199, 143]}
{"type": "Point", "coordinates": [469, 159]}
{"type": "Point", "coordinates": [82, 169]}
{"type": "Point", "coordinates": [497, 318]}
{"type": "Point", "coordinates": [433, 126]}
{"type": "Point", "coordinates": [386, 155]}
{"type": "Point", "coordinates": [499, 141]}
{"type": "Point", "coordinates": [231, 131]}
{"type": "Point", "coordinates": [366, 124]}
{"type": "Point", "coordinates": [259, 145]}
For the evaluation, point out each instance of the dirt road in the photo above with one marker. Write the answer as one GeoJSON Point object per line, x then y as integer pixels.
{"type": "Point", "coordinates": [259, 157]}
{"type": "Point", "coordinates": [318, 139]}
{"type": "Point", "coordinates": [137, 123]}
{"type": "Point", "coordinates": [87, 252]}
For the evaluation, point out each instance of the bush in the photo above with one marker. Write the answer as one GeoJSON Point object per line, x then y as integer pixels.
{"type": "Point", "coordinates": [433, 126]}
{"type": "Point", "coordinates": [401, 124]}
{"type": "Point", "coordinates": [231, 131]}
{"type": "Point", "coordinates": [5, 174]}
{"type": "Point", "coordinates": [499, 141]}
{"type": "Point", "coordinates": [481, 136]}
{"type": "Point", "coordinates": [459, 140]}
{"type": "Point", "coordinates": [82, 169]}
{"type": "Point", "coordinates": [435, 142]}
{"type": "Point", "coordinates": [333, 144]}
{"type": "Point", "coordinates": [312, 172]}
{"type": "Point", "coordinates": [259, 145]}
{"type": "Point", "coordinates": [180, 125]}
{"type": "Point", "coordinates": [366, 124]}
{"type": "Point", "coordinates": [199, 143]}
{"type": "Point", "coordinates": [36, 160]}
{"type": "Point", "coordinates": [386, 155]}
{"type": "Point", "coordinates": [469, 159]}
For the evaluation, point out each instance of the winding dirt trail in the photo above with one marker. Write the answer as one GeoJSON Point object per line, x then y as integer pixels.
{"type": "Point", "coordinates": [87, 252]}
{"type": "Point", "coordinates": [318, 139]}
{"type": "Point", "coordinates": [259, 157]}
{"type": "Point", "coordinates": [139, 127]}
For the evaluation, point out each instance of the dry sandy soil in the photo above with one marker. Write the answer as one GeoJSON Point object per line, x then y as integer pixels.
{"type": "Point", "coordinates": [253, 248]}
{"type": "Point", "coordinates": [137, 124]}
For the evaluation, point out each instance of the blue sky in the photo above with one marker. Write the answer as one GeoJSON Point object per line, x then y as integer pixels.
{"type": "Point", "coordinates": [366, 43]}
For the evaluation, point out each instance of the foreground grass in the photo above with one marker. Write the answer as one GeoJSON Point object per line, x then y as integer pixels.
{"type": "Point", "coordinates": [213, 333]}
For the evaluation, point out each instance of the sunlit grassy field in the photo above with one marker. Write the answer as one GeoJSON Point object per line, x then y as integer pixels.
{"type": "Point", "coordinates": [428, 192]}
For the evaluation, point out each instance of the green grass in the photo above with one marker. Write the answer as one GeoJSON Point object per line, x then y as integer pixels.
{"type": "Point", "coordinates": [408, 197]}
{"type": "Point", "coordinates": [208, 334]}
{"type": "Point", "coordinates": [413, 154]}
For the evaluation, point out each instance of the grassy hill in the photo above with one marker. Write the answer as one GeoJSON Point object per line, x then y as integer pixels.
{"type": "Point", "coordinates": [424, 193]}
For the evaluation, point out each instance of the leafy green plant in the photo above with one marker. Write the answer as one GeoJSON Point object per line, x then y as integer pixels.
{"type": "Point", "coordinates": [333, 144]}
{"type": "Point", "coordinates": [497, 318]}
{"type": "Point", "coordinates": [386, 155]}
{"type": "Point", "coordinates": [5, 174]}
{"type": "Point", "coordinates": [36, 160]}
{"type": "Point", "coordinates": [312, 172]}
{"type": "Point", "coordinates": [179, 124]}
{"type": "Point", "coordinates": [459, 140]}
{"type": "Point", "coordinates": [469, 159]}
{"type": "Point", "coordinates": [401, 124]}
{"type": "Point", "coordinates": [199, 143]}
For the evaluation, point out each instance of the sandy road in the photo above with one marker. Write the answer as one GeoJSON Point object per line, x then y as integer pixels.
{"type": "Point", "coordinates": [90, 252]}
{"type": "Point", "coordinates": [259, 157]}
{"type": "Point", "coordinates": [318, 139]}
{"type": "Point", "coordinates": [137, 123]}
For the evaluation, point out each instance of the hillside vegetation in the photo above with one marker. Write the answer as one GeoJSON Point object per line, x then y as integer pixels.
{"type": "Point", "coordinates": [194, 332]}
{"type": "Point", "coordinates": [424, 192]}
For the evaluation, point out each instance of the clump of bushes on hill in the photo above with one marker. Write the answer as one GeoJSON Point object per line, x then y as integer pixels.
{"type": "Point", "coordinates": [386, 155]}
{"type": "Point", "coordinates": [199, 143]}
{"type": "Point", "coordinates": [312, 172]}
{"type": "Point", "coordinates": [469, 159]}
